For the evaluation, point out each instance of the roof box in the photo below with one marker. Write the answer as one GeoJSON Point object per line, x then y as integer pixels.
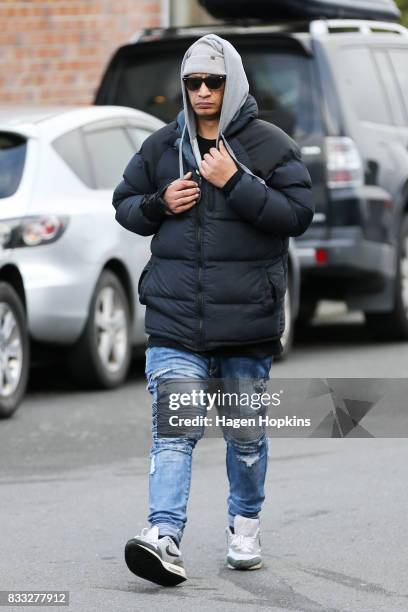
{"type": "Point", "coordinates": [294, 10]}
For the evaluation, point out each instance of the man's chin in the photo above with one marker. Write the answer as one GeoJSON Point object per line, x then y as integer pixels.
{"type": "Point", "coordinates": [207, 113]}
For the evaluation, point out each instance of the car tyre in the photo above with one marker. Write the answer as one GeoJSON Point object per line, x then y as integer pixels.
{"type": "Point", "coordinates": [393, 325]}
{"type": "Point", "coordinates": [101, 357]}
{"type": "Point", "coordinates": [307, 310]}
{"type": "Point", "coordinates": [14, 351]}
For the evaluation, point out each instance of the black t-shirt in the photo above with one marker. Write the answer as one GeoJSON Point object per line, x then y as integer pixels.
{"type": "Point", "coordinates": [258, 349]}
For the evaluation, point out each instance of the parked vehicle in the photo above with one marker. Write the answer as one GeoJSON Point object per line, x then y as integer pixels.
{"type": "Point", "coordinates": [71, 270]}
{"type": "Point", "coordinates": [339, 87]}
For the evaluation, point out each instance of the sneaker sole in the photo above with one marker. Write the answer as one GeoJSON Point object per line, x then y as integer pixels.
{"type": "Point", "coordinates": [244, 567]}
{"type": "Point", "coordinates": [145, 563]}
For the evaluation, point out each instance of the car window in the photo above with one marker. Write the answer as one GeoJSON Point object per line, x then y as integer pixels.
{"type": "Point", "coordinates": [138, 135]}
{"type": "Point", "coordinates": [109, 151]}
{"type": "Point", "coordinates": [281, 84]}
{"type": "Point", "coordinates": [13, 149]}
{"type": "Point", "coordinates": [139, 87]}
{"type": "Point", "coordinates": [279, 80]}
{"type": "Point", "coordinates": [399, 59]}
{"type": "Point", "coordinates": [363, 85]}
{"type": "Point", "coordinates": [390, 86]}
{"type": "Point", "coordinates": [70, 147]}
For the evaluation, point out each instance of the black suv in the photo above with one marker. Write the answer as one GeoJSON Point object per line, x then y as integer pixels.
{"type": "Point", "coordinates": [339, 87]}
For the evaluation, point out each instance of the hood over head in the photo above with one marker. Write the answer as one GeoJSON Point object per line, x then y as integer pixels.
{"type": "Point", "coordinates": [214, 55]}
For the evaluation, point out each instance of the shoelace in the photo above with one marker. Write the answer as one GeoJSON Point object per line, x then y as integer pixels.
{"type": "Point", "coordinates": [244, 543]}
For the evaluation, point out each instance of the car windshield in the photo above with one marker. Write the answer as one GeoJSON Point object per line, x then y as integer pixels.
{"type": "Point", "coordinates": [280, 81]}
{"type": "Point", "coordinates": [12, 157]}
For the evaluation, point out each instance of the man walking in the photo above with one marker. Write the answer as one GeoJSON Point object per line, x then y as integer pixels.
{"type": "Point", "coordinates": [221, 192]}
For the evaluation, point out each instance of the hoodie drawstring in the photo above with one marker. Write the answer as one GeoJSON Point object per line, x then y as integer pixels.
{"type": "Point", "coordinates": [241, 165]}
{"type": "Point", "coordinates": [230, 151]}
{"type": "Point", "coordinates": [181, 167]}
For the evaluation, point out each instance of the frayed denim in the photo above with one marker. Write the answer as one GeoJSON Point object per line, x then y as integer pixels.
{"type": "Point", "coordinates": [171, 458]}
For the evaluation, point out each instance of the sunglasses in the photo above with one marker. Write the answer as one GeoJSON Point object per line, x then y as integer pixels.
{"type": "Point", "coordinates": [212, 82]}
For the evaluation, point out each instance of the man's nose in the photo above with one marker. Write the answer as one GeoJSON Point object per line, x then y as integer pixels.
{"type": "Point", "coordinates": [204, 91]}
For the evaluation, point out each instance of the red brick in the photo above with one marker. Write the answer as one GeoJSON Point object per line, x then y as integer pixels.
{"type": "Point", "coordinates": [56, 50]}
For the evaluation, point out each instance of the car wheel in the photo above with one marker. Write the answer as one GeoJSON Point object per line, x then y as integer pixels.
{"type": "Point", "coordinates": [394, 325]}
{"type": "Point", "coordinates": [101, 357]}
{"type": "Point", "coordinates": [288, 333]}
{"type": "Point", "coordinates": [14, 351]}
{"type": "Point", "coordinates": [307, 309]}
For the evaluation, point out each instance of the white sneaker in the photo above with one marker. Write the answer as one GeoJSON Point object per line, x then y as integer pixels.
{"type": "Point", "coordinates": [156, 559]}
{"type": "Point", "coordinates": [244, 546]}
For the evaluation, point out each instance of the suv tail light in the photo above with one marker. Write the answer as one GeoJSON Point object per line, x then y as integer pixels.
{"type": "Point", "coordinates": [343, 162]}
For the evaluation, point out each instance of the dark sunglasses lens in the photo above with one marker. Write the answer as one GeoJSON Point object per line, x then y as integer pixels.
{"type": "Point", "coordinates": [213, 82]}
{"type": "Point", "coordinates": [193, 83]}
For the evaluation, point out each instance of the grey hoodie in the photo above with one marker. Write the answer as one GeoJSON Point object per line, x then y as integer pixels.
{"type": "Point", "coordinates": [235, 94]}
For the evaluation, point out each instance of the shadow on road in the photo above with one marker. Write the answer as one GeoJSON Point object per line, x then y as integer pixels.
{"type": "Point", "coordinates": [334, 333]}
{"type": "Point", "coordinates": [50, 373]}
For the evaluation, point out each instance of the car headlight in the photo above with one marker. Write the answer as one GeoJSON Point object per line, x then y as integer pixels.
{"type": "Point", "coordinates": [32, 231]}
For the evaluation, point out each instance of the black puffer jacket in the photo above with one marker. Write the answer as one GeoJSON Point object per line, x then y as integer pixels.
{"type": "Point", "coordinates": [218, 272]}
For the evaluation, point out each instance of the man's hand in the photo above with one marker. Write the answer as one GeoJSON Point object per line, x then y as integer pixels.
{"type": "Point", "coordinates": [217, 167]}
{"type": "Point", "coordinates": [181, 194]}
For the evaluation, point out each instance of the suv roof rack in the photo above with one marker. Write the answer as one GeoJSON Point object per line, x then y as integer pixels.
{"type": "Point", "coordinates": [239, 27]}
{"type": "Point", "coordinates": [316, 27]}
{"type": "Point", "coordinates": [364, 26]}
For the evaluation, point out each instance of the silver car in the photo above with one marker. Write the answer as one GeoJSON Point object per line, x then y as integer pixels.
{"type": "Point", "coordinates": [73, 266]}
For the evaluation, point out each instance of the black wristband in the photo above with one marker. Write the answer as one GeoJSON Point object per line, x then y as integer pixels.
{"type": "Point", "coordinates": [154, 207]}
{"type": "Point", "coordinates": [230, 184]}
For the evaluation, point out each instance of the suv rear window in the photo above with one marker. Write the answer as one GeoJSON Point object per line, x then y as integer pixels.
{"type": "Point", "coordinates": [280, 80]}
{"type": "Point", "coordinates": [13, 149]}
{"type": "Point", "coordinates": [281, 83]}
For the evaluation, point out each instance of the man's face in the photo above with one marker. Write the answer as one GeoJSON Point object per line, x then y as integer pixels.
{"type": "Point", "coordinates": [206, 103]}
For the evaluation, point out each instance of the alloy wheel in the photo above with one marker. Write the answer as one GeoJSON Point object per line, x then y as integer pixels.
{"type": "Point", "coordinates": [404, 275]}
{"type": "Point", "coordinates": [11, 351]}
{"type": "Point", "coordinates": [111, 329]}
{"type": "Point", "coordinates": [288, 320]}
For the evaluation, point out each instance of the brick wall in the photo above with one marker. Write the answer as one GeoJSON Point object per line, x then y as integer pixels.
{"type": "Point", "coordinates": [55, 51]}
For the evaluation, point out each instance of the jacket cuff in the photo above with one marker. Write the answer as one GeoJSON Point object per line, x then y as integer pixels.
{"type": "Point", "coordinates": [154, 207]}
{"type": "Point", "coordinates": [230, 184]}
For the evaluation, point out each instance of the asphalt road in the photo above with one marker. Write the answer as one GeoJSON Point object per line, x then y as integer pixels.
{"type": "Point", "coordinates": [74, 489]}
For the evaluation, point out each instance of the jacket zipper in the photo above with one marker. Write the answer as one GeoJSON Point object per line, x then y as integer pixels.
{"type": "Point", "coordinates": [200, 265]}
{"type": "Point", "coordinates": [211, 199]}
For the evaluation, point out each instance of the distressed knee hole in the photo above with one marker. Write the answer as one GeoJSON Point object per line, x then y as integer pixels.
{"type": "Point", "coordinates": [250, 452]}
{"type": "Point", "coordinates": [249, 459]}
{"type": "Point", "coordinates": [156, 374]}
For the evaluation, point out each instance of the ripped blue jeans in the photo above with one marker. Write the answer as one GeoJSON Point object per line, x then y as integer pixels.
{"type": "Point", "coordinates": [171, 458]}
